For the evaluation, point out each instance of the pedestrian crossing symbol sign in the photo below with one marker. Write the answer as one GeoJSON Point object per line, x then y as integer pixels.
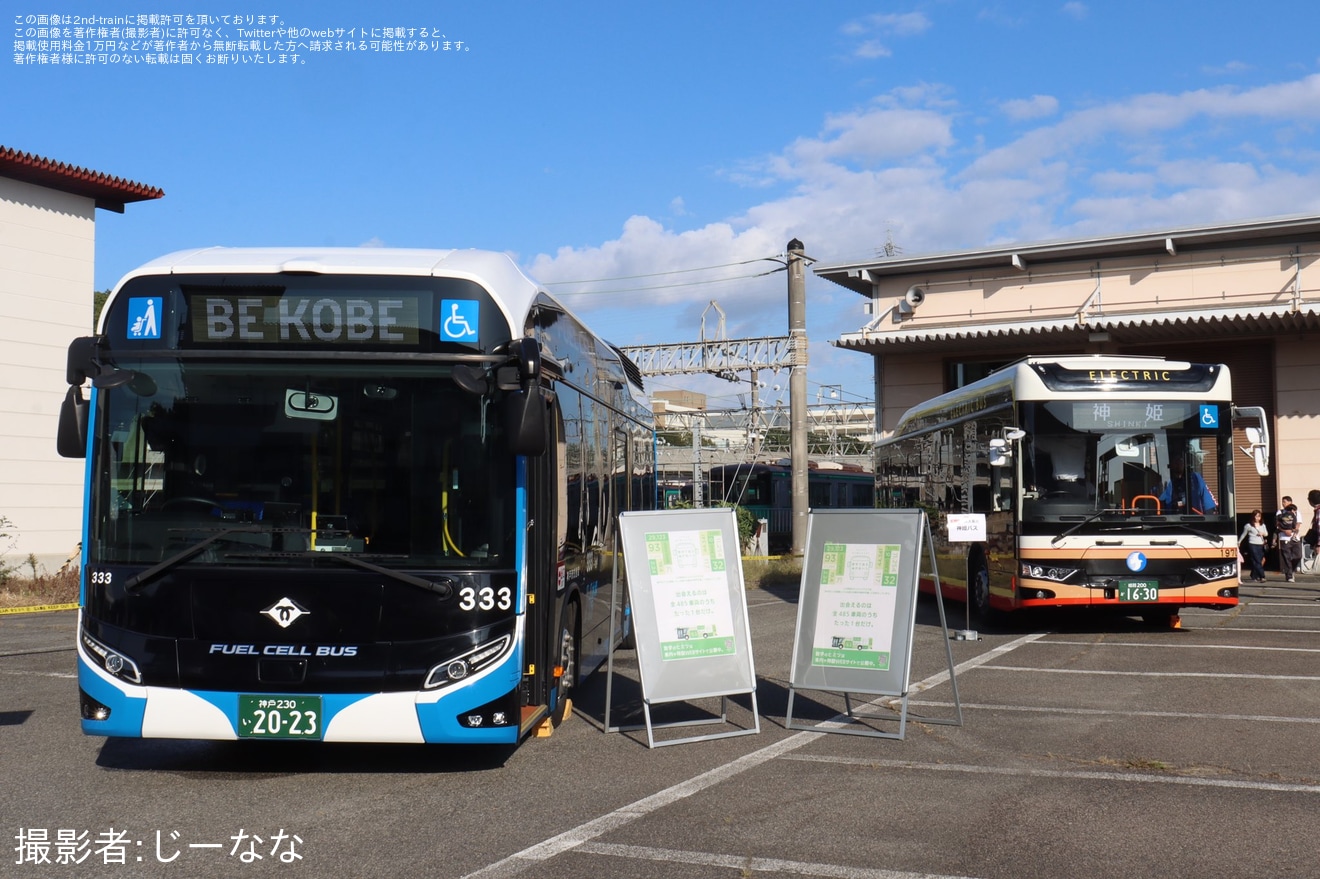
{"type": "Point", "coordinates": [144, 317]}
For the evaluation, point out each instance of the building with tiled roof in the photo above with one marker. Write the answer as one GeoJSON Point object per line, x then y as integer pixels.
{"type": "Point", "coordinates": [47, 249]}
{"type": "Point", "coordinates": [1245, 294]}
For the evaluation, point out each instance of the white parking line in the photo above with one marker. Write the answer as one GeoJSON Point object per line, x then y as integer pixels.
{"type": "Point", "coordinates": [1179, 715]}
{"type": "Point", "coordinates": [1180, 646]}
{"type": "Point", "coordinates": [578, 836]}
{"type": "Point", "coordinates": [1238, 629]}
{"type": "Point", "coordinates": [1307, 602]}
{"type": "Point", "coordinates": [1151, 674]}
{"type": "Point", "coordinates": [1021, 771]}
{"type": "Point", "coordinates": [749, 865]}
{"type": "Point", "coordinates": [1280, 616]}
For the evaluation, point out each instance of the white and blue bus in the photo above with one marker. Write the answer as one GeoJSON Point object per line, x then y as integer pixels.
{"type": "Point", "coordinates": [357, 495]}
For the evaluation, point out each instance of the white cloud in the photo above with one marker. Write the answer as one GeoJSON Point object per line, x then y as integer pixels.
{"type": "Point", "coordinates": [869, 29]}
{"type": "Point", "coordinates": [1075, 10]}
{"type": "Point", "coordinates": [1034, 107]}
{"type": "Point", "coordinates": [873, 135]}
{"type": "Point", "coordinates": [872, 49]}
{"type": "Point", "coordinates": [912, 166]}
{"type": "Point", "coordinates": [903, 24]}
{"type": "Point", "coordinates": [1232, 68]}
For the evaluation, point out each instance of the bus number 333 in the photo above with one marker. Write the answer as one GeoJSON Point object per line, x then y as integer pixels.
{"type": "Point", "coordinates": [485, 599]}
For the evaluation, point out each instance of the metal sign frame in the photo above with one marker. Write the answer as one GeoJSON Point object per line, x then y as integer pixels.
{"type": "Point", "coordinates": [684, 567]}
{"type": "Point", "coordinates": [857, 612]}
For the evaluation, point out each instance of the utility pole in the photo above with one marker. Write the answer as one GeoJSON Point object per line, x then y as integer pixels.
{"type": "Point", "coordinates": [698, 472]}
{"type": "Point", "coordinates": [797, 391]}
{"type": "Point", "coordinates": [754, 417]}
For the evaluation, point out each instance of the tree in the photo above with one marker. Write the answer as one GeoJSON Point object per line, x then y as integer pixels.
{"type": "Point", "coordinates": [7, 543]}
{"type": "Point", "coordinates": [98, 303]}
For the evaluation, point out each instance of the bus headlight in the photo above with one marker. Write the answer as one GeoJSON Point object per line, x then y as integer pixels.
{"type": "Point", "coordinates": [1048, 572]}
{"type": "Point", "coordinates": [1218, 572]}
{"type": "Point", "coordinates": [112, 661]}
{"type": "Point", "coordinates": [462, 666]}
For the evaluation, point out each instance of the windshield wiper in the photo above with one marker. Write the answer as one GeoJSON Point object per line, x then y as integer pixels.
{"type": "Point", "coordinates": [141, 577]}
{"type": "Point", "coordinates": [1217, 538]}
{"type": "Point", "coordinates": [1087, 521]}
{"type": "Point", "coordinates": [444, 588]}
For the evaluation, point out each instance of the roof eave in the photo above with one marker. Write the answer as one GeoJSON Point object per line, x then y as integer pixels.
{"type": "Point", "coordinates": [861, 276]}
{"type": "Point", "coordinates": [107, 192]}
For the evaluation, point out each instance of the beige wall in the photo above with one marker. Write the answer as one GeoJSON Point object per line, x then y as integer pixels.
{"type": "Point", "coordinates": [905, 382]}
{"type": "Point", "coordinates": [1297, 401]}
{"type": "Point", "coordinates": [46, 285]}
{"type": "Point", "coordinates": [1256, 277]}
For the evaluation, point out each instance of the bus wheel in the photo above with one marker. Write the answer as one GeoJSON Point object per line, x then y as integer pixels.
{"type": "Point", "coordinates": [978, 589]}
{"type": "Point", "coordinates": [568, 662]}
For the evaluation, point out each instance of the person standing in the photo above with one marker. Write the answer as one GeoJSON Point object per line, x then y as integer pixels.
{"type": "Point", "coordinates": [1256, 536]}
{"type": "Point", "coordinates": [1312, 536]}
{"type": "Point", "coordinates": [1288, 539]}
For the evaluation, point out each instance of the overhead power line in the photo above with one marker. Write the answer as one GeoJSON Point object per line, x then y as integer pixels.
{"type": "Point", "coordinates": [726, 265]}
{"type": "Point", "coordinates": [660, 286]}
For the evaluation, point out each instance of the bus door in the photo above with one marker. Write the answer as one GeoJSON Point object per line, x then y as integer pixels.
{"type": "Point", "coordinates": [545, 573]}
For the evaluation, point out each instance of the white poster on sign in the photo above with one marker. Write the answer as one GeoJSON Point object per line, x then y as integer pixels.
{"type": "Point", "coordinates": [855, 610]}
{"type": "Point", "coordinates": [692, 603]}
{"type": "Point", "coordinates": [967, 527]}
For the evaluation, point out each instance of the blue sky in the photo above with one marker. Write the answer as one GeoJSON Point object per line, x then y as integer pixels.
{"type": "Point", "coordinates": [608, 140]}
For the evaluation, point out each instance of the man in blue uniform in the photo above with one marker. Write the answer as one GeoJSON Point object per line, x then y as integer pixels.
{"type": "Point", "coordinates": [1184, 485]}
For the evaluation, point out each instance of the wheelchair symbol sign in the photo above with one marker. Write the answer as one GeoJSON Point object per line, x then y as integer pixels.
{"type": "Point", "coordinates": [459, 320]}
{"type": "Point", "coordinates": [1209, 416]}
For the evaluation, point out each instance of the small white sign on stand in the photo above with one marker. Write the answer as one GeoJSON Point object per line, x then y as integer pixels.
{"type": "Point", "coordinates": [967, 528]}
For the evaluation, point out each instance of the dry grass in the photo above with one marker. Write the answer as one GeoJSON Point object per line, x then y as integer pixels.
{"type": "Point", "coordinates": [43, 589]}
{"type": "Point", "coordinates": [772, 572]}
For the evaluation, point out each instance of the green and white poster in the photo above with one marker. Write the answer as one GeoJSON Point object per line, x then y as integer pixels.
{"type": "Point", "coordinates": [855, 605]}
{"type": "Point", "coordinates": [690, 586]}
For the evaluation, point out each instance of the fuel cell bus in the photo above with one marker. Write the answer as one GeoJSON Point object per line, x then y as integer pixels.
{"type": "Point", "coordinates": [1100, 482]}
{"type": "Point", "coordinates": [347, 495]}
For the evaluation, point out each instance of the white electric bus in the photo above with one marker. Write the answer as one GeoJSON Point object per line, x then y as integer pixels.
{"type": "Point", "coordinates": [1100, 481]}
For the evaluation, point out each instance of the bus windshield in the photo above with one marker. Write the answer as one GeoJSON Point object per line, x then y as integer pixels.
{"type": "Point", "coordinates": [1124, 457]}
{"type": "Point", "coordinates": [283, 461]}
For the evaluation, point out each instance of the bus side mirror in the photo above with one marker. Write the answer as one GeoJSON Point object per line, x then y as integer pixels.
{"type": "Point", "coordinates": [524, 408]}
{"type": "Point", "coordinates": [71, 435]}
{"type": "Point", "coordinates": [1258, 436]}
{"type": "Point", "coordinates": [1258, 451]}
{"type": "Point", "coordinates": [524, 421]}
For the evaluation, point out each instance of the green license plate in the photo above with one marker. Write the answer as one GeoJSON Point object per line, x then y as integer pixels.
{"type": "Point", "coordinates": [279, 717]}
{"type": "Point", "coordinates": [1138, 590]}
